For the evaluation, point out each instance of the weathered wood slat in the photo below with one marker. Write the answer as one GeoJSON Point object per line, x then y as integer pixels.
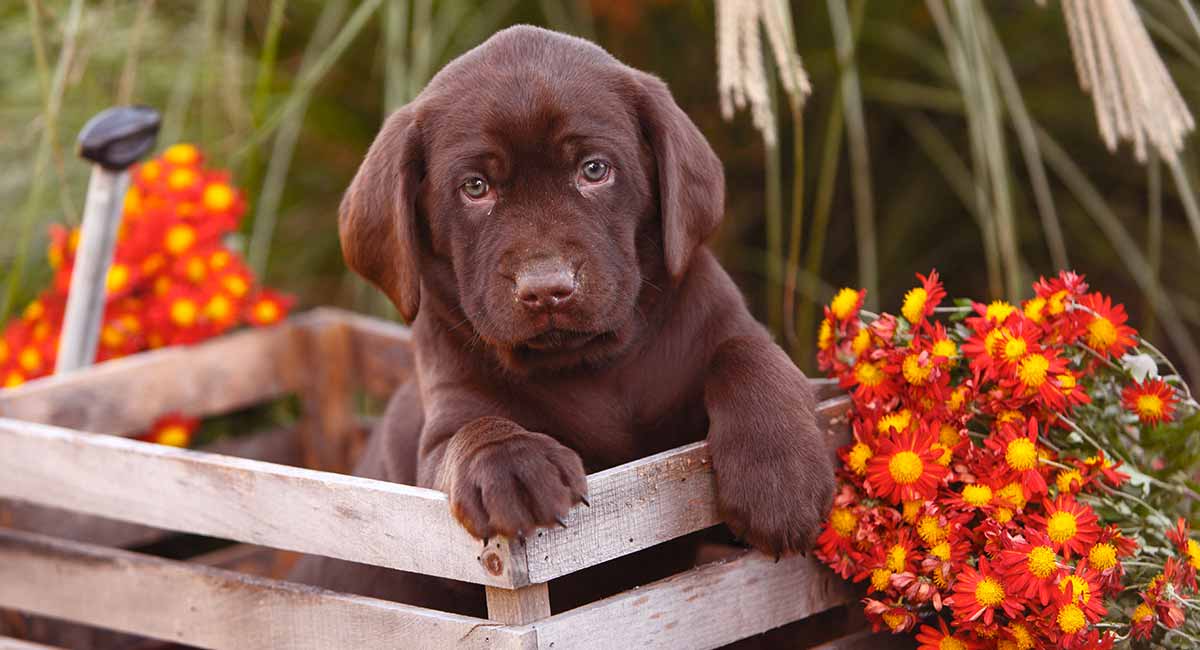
{"type": "Point", "coordinates": [644, 503]}
{"type": "Point", "coordinates": [7, 643]}
{"type": "Point", "coordinates": [704, 608]}
{"type": "Point", "coordinates": [272, 445]}
{"type": "Point", "coordinates": [518, 606]}
{"type": "Point", "coordinates": [212, 608]}
{"type": "Point", "coordinates": [334, 515]}
{"type": "Point", "coordinates": [128, 394]}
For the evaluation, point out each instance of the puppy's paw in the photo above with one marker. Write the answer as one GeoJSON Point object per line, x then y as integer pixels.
{"type": "Point", "coordinates": [515, 484]}
{"type": "Point", "coordinates": [774, 499]}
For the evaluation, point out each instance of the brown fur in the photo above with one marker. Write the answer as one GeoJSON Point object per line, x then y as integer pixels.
{"type": "Point", "coordinates": [653, 349]}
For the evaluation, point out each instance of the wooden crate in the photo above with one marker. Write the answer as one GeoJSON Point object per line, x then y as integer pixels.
{"type": "Point", "coordinates": [69, 496]}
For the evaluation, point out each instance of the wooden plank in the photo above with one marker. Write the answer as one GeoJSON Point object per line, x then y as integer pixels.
{"type": "Point", "coordinates": [128, 394]}
{"type": "Point", "coordinates": [644, 503]}
{"type": "Point", "coordinates": [274, 445]}
{"type": "Point", "coordinates": [518, 606]}
{"type": "Point", "coordinates": [212, 608]}
{"type": "Point", "coordinates": [704, 608]}
{"type": "Point", "coordinates": [329, 430]}
{"type": "Point", "coordinates": [345, 517]}
{"type": "Point", "coordinates": [383, 353]}
{"type": "Point", "coordinates": [7, 643]}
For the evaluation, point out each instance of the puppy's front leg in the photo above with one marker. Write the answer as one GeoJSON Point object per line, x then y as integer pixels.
{"type": "Point", "coordinates": [504, 480]}
{"type": "Point", "coordinates": [774, 476]}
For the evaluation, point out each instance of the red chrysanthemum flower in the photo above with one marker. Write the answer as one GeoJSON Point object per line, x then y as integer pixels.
{"type": "Point", "coordinates": [174, 429]}
{"type": "Point", "coordinates": [1072, 526]}
{"type": "Point", "coordinates": [905, 467]}
{"type": "Point", "coordinates": [978, 594]}
{"type": "Point", "coordinates": [1106, 331]}
{"type": "Point", "coordinates": [941, 638]}
{"type": "Point", "coordinates": [1030, 566]}
{"type": "Point", "coordinates": [920, 302]}
{"type": "Point", "coordinates": [1153, 400]}
{"type": "Point", "coordinates": [1018, 447]}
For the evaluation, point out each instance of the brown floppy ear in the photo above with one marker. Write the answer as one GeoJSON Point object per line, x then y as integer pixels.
{"type": "Point", "coordinates": [377, 220]}
{"type": "Point", "coordinates": [691, 180]}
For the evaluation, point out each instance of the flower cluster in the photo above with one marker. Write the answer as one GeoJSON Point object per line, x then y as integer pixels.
{"type": "Point", "coordinates": [172, 279]}
{"type": "Point", "coordinates": [993, 495]}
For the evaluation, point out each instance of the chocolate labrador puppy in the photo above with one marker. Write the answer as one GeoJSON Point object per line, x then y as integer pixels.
{"type": "Point", "coordinates": [538, 214]}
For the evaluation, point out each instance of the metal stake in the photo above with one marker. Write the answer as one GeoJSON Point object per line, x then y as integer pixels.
{"type": "Point", "coordinates": [113, 140]}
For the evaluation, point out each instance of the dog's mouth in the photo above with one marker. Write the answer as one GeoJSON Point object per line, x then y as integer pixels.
{"type": "Point", "coordinates": [559, 339]}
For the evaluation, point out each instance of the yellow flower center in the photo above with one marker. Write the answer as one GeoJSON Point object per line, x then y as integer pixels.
{"type": "Point", "coordinates": [1021, 636]}
{"type": "Point", "coordinates": [179, 238]}
{"type": "Point", "coordinates": [1149, 406]}
{"type": "Point", "coordinates": [150, 171]}
{"type": "Point", "coordinates": [939, 578]}
{"type": "Point", "coordinates": [1103, 556]}
{"type": "Point", "coordinates": [30, 359]}
{"type": "Point", "coordinates": [914, 304]}
{"type": "Point", "coordinates": [915, 372]}
{"type": "Point", "coordinates": [1061, 526]}
{"type": "Point", "coordinates": [893, 620]}
{"type": "Point", "coordinates": [118, 277]}
{"type": "Point", "coordinates": [897, 556]}
{"type": "Point", "coordinates": [951, 643]}
{"type": "Point", "coordinates": [1003, 515]}
{"type": "Point", "coordinates": [1066, 383]}
{"type": "Point", "coordinates": [1193, 551]}
{"type": "Point", "coordinates": [111, 337]}
{"type": "Point", "coordinates": [173, 435]}
{"type": "Point", "coordinates": [956, 399]}
{"type": "Point", "coordinates": [1080, 592]}
{"type": "Point", "coordinates": [989, 593]}
{"type": "Point", "coordinates": [219, 308]}
{"type": "Point", "coordinates": [181, 179]}
{"type": "Point", "coordinates": [1032, 371]}
{"type": "Point", "coordinates": [1101, 333]}
{"type": "Point", "coordinates": [825, 335]}
{"type": "Point", "coordinates": [999, 311]}
{"type": "Point", "coordinates": [880, 578]}
{"type": "Point", "coordinates": [181, 154]}
{"type": "Point", "coordinates": [238, 286]}
{"type": "Point", "coordinates": [992, 343]}
{"type": "Point", "coordinates": [1041, 561]}
{"type": "Point", "coordinates": [945, 454]}
{"type": "Point", "coordinates": [1034, 307]}
{"type": "Point", "coordinates": [948, 436]}
{"type": "Point", "coordinates": [35, 310]}
{"type": "Point", "coordinates": [930, 530]}
{"type": "Point", "coordinates": [945, 348]}
{"type": "Point", "coordinates": [911, 508]}
{"type": "Point", "coordinates": [844, 303]}
{"type": "Point", "coordinates": [184, 312]}
{"type": "Point", "coordinates": [843, 521]}
{"type": "Point", "coordinates": [1142, 612]}
{"type": "Point", "coordinates": [906, 467]}
{"type": "Point", "coordinates": [941, 551]}
{"type": "Point", "coordinates": [1009, 415]}
{"type": "Point", "coordinates": [1015, 348]}
{"type": "Point", "coordinates": [218, 197]}
{"type": "Point", "coordinates": [1070, 619]}
{"type": "Point", "coordinates": [196, 269]}
{"type": "Point", "coordinates": [977, 495]}
{"type": "Point", "coordinates": [1013, 494]}
{"type": "Point", "coordinates": [859, 454]}
{"type": "Point", "coordinates": [266, 311]}
{"type": "Point", "coordinates": [894, 422]}
{"type": "Point", "coordinates": [1021, 454]}
{"type": "Point", "coordinates": [862, 341]}
{"type": "Point", "coordinates": [1066, 478]}
{"type": "Point", "coordinates": [13, 379]}
{"type": "Point", "coordinates": [868, 374]}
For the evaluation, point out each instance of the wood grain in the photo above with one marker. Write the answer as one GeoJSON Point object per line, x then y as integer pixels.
{"type": "Point", "coordinates": [644, 503]}
{"type": "Point", "coordinates": [704, 608]}
{"type": "Point", "coordinates": [7, 643]}
{"type": "Point", "coordinates": [329, 429]}
{"type": "Point", "coordinates": [518, 606]}
{"type": "Point", "coordinates": [212, 608]}
{"type": "Point", "coordinates": [272, 445]}
{"type": "Point", "coordinates": [346, 517]}
{"type": "Point", "coordinates": [128, 394]}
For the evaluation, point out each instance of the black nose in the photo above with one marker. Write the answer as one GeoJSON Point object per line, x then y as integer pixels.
{"type": "Point", "coordinates": [545, 287]}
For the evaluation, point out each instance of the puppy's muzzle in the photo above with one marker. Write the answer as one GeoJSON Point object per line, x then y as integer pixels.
{"type": "Point", "coordinates": [546, 286]}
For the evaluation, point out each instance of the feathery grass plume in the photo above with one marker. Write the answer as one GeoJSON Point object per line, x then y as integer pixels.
{"type": "Point", "coordinates": [741, 74]}
{"type": "Point", "coordinates": [1136, 100]}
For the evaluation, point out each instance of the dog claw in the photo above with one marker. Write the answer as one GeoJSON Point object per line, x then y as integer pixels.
{"type": "Point", "coordinates": [486, 540]}
{"type": "Point", "coordinates": [778, 557]}
{"type": "Point", "coordinates": [561, 522]}
{"type": "Point", "coordinates": [584, 501]}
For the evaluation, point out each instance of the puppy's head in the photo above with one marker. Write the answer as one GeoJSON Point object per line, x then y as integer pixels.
{"type": "Point", "coordinates": [536, 194]}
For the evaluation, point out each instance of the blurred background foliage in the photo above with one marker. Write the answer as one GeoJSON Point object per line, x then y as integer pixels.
{"type": "Point", "coordinates": [923, 138]}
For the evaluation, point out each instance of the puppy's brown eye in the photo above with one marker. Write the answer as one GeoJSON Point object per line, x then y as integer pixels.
{"type": "Point", "coordinates": [595, 170]}
{"type": "Point", "coordinates": [476, 188]}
